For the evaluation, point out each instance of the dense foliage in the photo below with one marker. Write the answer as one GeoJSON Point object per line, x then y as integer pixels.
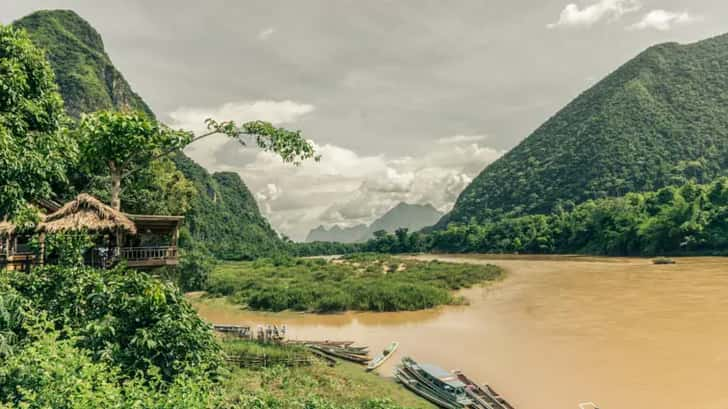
{"type": "Point", "coordinates": [357, 282]}
{"type": "Point", "coordinates": [659, 120]}
{"type": "Point", "coordinates": [75, 337]}
{"type": "Point", "coordinates": [224, 216]}
{"type": "Point", "coordinates": [690, 219]}
{"type": "Point", "coordinates": [121, 316]}
{"type": "Point", "coordinates": [34, 153]}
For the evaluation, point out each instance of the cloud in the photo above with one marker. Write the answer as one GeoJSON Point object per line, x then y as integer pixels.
{"type": "Point", "coordinates": [663, 20]}
{"type": "Point", "coordinates": [277, 112]}
{"type": "Point", "coordinates": [266, 33]}
{"type": "Point", "coordinates": [574, 16]}
{"type": "Point", "coordinates": [347, 187]}
{"type": "Point", "coordinates": [460, 138]}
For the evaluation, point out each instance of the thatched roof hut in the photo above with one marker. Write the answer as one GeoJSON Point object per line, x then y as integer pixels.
{"type": "Point", "coordinates": [87, 213]}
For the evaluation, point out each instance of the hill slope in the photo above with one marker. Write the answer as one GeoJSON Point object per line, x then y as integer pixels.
{"type": "Point", "coordinates": [224, 214]}
{"type": "Point", "coordinates": [410, 216]}
{"type": "Point", "coordinates": [660, 119]}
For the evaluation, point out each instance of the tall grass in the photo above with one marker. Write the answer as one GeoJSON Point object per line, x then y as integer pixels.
{"type": "Point", "coordinates": [364, 282]}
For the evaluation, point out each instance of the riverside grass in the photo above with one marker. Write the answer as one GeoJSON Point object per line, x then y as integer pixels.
{"type": "Point", "coordinates": [362, 282]}
{"type": "Point", "coordinates": [346, 385]}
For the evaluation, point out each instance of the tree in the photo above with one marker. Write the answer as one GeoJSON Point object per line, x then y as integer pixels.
{"type": "Point", "coordinates": [120, 141]}
{"type": "Point", "coordinates": [125, 142]}
{"type": "Point", "coordinates": [34, 153]}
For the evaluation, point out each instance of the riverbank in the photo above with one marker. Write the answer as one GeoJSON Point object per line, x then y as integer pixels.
{"type": "Point", "coordinates": [558, 330]}
{"type": "Point", "coordinates": [364, 282]}
{"type": "Point", "coordinates": [346, 385]}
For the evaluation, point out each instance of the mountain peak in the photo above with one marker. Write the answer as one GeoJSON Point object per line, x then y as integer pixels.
{"type": "Point", "coordinates": [64, 22]}
{"type": "Point", "coordinates": [84, 72]}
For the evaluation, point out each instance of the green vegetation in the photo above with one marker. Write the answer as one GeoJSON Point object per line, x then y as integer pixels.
{"type": "Point", "coordinates": [357, 282]}
{"type": "Point", "coordinates": [659, 120]}
{"type": "Point", "coordinates": [222, 216]}
{"type": "Point", "coordinates": [344, 386]}
{"type": "Point", "coordinates": [82, 338]}
{"type": "Point", "coordinates": [85, 74]}
{"type": "Point", "coordinates": [34, 153]}
{"type": "Point", "coordinates": [690, 219]}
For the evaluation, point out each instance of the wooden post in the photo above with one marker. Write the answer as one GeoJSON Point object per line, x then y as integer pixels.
{"type": "Point", "coordinates": [41, 240]}
{"type": "Point", "coordinates": [175, 235]}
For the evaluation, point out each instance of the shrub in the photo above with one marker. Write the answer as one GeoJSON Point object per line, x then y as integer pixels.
{"type": "Point", "coordinates": [121, 316]}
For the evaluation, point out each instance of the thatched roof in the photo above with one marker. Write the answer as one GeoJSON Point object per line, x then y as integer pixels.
{"type": "Point", "coordinates": [6, 228]}
{"type": "Point", "coordinates": [87, 213]}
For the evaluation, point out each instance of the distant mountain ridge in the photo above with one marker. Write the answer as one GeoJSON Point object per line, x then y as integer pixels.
{"type": "Point", "coordinates": [660, 119]}
{"type": "Point", "coordinates": [410, 216]}
{"type": "Point", "coordinates": [224, 214]}
{"type": "Point", "coordinates": [338, 234]}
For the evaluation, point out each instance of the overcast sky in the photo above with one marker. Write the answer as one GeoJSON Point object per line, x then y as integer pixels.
{"type": "Point", "coordinates": [405, 100]}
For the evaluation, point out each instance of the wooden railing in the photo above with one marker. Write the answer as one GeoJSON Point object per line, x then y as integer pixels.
{"type": "Point", "coordinates": [148, 253]}
{"type": "Point", "coordinates": [140, 257]}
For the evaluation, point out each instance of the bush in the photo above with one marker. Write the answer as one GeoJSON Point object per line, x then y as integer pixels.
{"type": "Point", "coordinates": [120, 316]}
{"type": "Point", "coordinates": [53, 373]}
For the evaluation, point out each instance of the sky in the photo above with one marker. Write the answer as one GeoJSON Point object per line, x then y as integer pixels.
{"type": "Point", "coordinates": [405, 100]}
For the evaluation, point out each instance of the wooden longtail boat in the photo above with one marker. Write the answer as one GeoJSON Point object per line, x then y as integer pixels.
{"type": "Point", "coordinates": [435, 381]}
{"type": "Point", "coordinates": [415, 386]}
{"type": "Point", "coordinates": [383, 356]}
{"type": "Point", "coordinates": [331, 343]}
{"type": "Point", "coordinates": [341, 353]}
{"type": "Point", "coordinates": [485, 396]}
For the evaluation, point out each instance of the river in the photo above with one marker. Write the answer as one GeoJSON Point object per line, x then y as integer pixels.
{"type": "Point", "coordinates": [560, 330]}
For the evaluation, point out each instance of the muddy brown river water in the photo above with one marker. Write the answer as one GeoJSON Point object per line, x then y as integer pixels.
{"type": "Point", "coordinates": [561, 330]}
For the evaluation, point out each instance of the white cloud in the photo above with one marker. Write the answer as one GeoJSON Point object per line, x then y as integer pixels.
{"type": "Point", "coordinates": [573, 15]}
{"type": "Point", "coordinates": [663, 20]}
{"type": "Point", "coordinates": [460, 138]}
{"type": "Point", "coordinates": [266, 33]}
{"type": "Point", "coordinates": [349, 188]}
{"type": "Point", "coordinates": [277, 112]}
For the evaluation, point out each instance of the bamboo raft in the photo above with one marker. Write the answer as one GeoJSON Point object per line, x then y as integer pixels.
{"type": "Point", "coordinates": [235, 330]}
{"type": "Point", "coordinates": [266, 361]}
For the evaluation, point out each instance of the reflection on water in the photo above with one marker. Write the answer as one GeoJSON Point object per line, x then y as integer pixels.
{"type": "Point", "coordinates": [558, 331]}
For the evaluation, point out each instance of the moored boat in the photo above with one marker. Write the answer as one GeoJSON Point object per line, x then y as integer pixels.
{"type": "Point", "coordinates": [433, 382]}
{"type": "Point", "coordinates": [343, 353]}
{"type": "Point", "coordinates": [484, 395]}
{"type": "Point", "coordinates": [383, 356]}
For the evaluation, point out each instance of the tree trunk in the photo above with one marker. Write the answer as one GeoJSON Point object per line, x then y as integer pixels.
{"type": "Point", "coordinates": [115, 186]}
{"type": "Point", "coordinates": [116, 202]}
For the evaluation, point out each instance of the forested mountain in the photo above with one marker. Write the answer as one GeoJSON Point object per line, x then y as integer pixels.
{"type": "Point", "coordinates": [409, 216]}
{"type": "Point", "coordinates": [661, 119]}
{"type": "Point", "coordinates": [221, 212]}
